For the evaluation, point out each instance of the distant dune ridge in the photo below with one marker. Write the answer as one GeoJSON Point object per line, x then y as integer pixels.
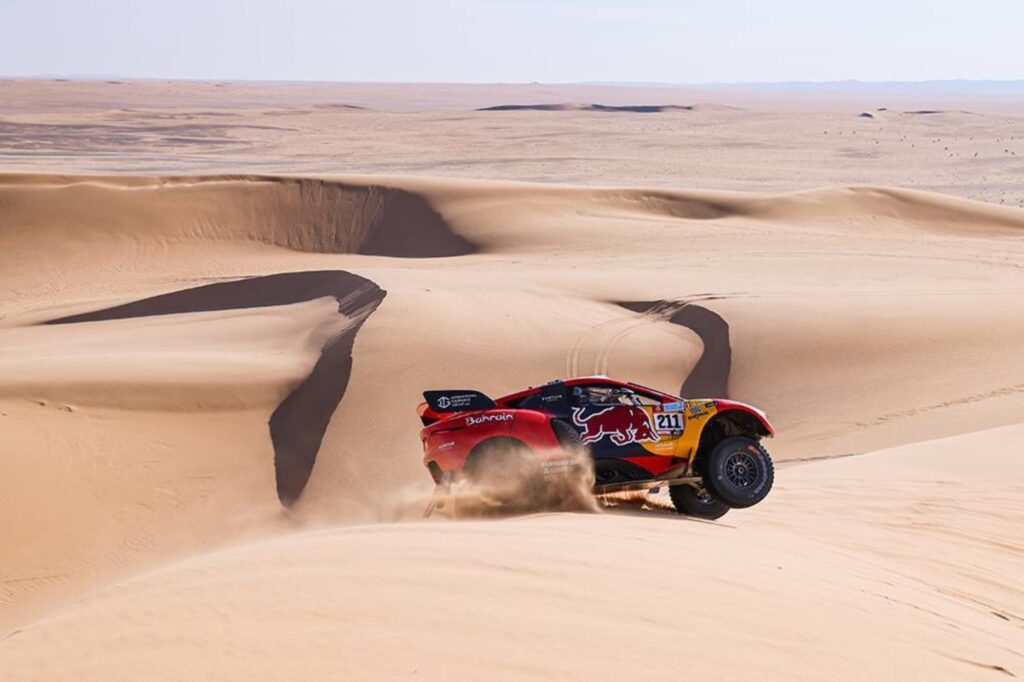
{"type": "Point", "coordinates": [773, 138]}
{"type": "Point", "coordinates": [622, 108]}
{"type": "Point", "coordinates": [631, 108]}
{"type": "Point", "coordinates": [183, 354]}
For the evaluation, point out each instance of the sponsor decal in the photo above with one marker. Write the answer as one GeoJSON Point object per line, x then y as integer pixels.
{"type": "Point", "coordinates": [556, 466]}
{"type": "Point", "coordinates": [697, 410]}
{"type": "Point", "coordinates": [621, 423]}
{"type": "Point", "coordinates": [487, 418]}
{"type": "Point", "coordinates": [673, 407]}
{"type": "Point", "coordinates": [458, 401]}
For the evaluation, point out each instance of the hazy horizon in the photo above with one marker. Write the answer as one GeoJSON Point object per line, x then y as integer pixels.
{"type": "Point", "coordinates": [515, 41]}
{"type": "Point", "coordinates": [991, 85]}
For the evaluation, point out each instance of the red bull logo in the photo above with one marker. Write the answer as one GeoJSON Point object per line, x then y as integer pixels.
{"type": "Point", "coordinates": [622, 423]}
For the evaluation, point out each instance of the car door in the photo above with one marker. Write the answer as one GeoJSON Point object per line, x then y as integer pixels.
{"type": "Point", "coordinates": [613, 422]}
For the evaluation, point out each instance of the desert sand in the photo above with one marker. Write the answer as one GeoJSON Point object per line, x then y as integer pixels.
{"type": "Point", "coordinates": [222, 302]}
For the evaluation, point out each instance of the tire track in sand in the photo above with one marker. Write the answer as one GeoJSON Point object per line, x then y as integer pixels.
{"type": "Point", "coordinates": [709, 377]}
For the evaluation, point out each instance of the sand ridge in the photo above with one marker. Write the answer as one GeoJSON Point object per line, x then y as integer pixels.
{"type": "Point", "coordinates": [297, 425]}
{"type": "Point", "coordinates": [799, 279]}
{"type": "Point", "coordinates": [879, 588]}
{"type": "Point", "coordinates": [139, 435]}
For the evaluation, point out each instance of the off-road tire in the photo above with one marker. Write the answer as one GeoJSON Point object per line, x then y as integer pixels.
{"type": "Point", "coordinates": [738, 472]}
{"type": "Point", "coordinates": [688, 500]}
{"type": "Point", "coordinates": [567, 436]}
{"type": "Point", "coordinates": [502, 464]}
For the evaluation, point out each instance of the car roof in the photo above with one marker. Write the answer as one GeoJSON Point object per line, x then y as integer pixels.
{"type": "Point", "coordinates": [577, 381]}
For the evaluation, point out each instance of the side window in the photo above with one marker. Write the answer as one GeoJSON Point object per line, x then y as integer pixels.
{"type": "Point", "coordinates": [646, 399]}
{"type": "Point", "coordinates": [551, 398]}
{"type": "Point", "coordinates": [530, 402]}
{"type": "Point", "coordinates": [600, 396]}
{"type": "Point", "coordinates": [585, 396]}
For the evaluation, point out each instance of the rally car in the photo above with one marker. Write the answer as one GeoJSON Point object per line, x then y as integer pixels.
{"type": "Point", "coordinates": [707, 452]}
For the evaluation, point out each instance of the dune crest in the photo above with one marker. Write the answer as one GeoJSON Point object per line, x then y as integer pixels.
{"type": "Point", "coordinates": [829, 207]}
{"type": "Point", "coordinates": [415, 218]}
{"type": "Point", "coordinates": [709, 376]}
{"type": "Point", "coordinates": [298, 424]}
{"type": "Point", "coordinates": [302, 214]}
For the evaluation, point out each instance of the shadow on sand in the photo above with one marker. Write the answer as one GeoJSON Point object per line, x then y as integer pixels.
{"type": "Point", "coordinates": [298, 424]}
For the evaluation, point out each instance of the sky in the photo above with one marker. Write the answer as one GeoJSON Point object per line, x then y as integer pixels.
{"type": "Point", "coordinates": [554, 41]}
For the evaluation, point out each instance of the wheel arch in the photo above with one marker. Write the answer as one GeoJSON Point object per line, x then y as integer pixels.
{"type": "Point", "coordinates": [730, 421]}
{"type": "Point", "coordinates": [535, 428]}
{"type": "Point", "coordinates": [760, 426]}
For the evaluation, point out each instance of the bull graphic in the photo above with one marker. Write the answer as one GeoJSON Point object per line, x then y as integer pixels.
{"type": "Point", "coordinates": [622, 423]}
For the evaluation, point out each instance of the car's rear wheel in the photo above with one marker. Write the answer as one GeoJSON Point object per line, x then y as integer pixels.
{"type": "Point", "coordinates": [567, 436]}
{"type": "Point", "coordinates": [502, 467]}
{"type": "Point", "coordinates": [738, 472]}
{"type": "Point", "coordinates": [569, 485]}
{"type": "Point", "coordinates": [699, 503]}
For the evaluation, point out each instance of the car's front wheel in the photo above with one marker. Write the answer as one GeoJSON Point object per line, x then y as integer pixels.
{"type": "Point", "coordinates": [696, 502]}
{"type": "Point", "coordinates": [739, 472]}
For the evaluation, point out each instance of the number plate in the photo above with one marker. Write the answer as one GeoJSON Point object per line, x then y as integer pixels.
{"type": "Point", "coordinates": [668, 422]}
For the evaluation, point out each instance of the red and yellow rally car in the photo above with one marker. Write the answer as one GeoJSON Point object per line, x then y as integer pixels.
{"type": "Point", "coordinates": [707, 452]}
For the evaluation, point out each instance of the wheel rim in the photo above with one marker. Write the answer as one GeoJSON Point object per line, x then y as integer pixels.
{"type": "Point", "coordinates": [741, 470]}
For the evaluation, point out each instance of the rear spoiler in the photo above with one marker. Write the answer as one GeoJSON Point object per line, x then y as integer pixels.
{"type": "Point", "coordinates": [441, 403]}
{"type": "Point", "coordinates": [457, 400]}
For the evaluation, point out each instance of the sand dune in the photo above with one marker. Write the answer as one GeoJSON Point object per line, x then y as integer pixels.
{"type": "Point", "coordinates": [294, 213]}
{"type": "Point", "coordinates": [865, 567]}
{"type": "Point", "coordinates": [860, 318]}
{"type": "Point", "coordinates": [709, 375]}
{"type": "Point", "coordinates": [402, 218]}
{"type": "Point", "coordinates": [298, 424]}
{"type": "Point", "coordinates": [207, 401]}
{"type": "Point", "coordinates": [768, 140]}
